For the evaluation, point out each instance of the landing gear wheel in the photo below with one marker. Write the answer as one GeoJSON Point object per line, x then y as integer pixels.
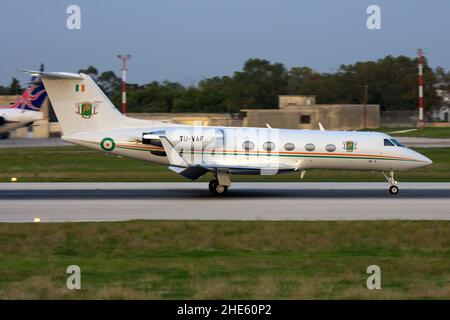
{"type": "Point", "coordinates": [221, 189]}
{"type": "Point", "coordinates": [393, 189]}
{"type": "Point", "coordinates": [212, 185]}
{"type": "Point", "coordinates": [217, 188]}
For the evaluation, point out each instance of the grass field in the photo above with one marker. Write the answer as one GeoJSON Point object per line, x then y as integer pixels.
{"type": "Point", "coordinates": [432, 132]}
{"type": "Point", "coordinates": [80, 164]}
{"type": "Point", "coordinates": [226, 260]}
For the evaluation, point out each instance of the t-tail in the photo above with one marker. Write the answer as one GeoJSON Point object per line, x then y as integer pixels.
{"type": "Point", "coordinates": [80, 105]}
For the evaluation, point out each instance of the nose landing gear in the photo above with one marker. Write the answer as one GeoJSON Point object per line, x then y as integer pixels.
{"type": "Point", "coordinates": [393, 189]}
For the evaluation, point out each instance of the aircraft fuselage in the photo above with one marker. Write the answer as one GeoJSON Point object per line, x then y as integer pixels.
{"type": "Point", "coordinates": [285, 149]}
{"type": "Point", "coordinates": [12, 118]}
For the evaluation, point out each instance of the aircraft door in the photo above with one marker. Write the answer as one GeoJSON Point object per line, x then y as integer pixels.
{"type": "Point", "coordinates": [219, 139]}
{"type": "Point", "coordinates": [213, 151]}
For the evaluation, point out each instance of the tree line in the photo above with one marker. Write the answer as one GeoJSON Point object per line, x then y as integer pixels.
{"type": "Point", "coordinates": [390, 82]}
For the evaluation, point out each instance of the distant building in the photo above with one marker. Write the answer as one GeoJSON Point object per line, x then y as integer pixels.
{"type": "Point", "coordinates": [200, 119]}
{"type": "Point", "coordinates": [7, 100]}
{"type": "Point", "coordinates": [302, 112]}
{"type": "Point", "coordinates": [442, 113]}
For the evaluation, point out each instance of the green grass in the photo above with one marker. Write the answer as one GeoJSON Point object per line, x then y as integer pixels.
{"type": "Point", "coordinates": [226, 260]}
{"type": "Point", "coordinates": [81, 164]}
{"type": "Point", "coordinates": [431, 132]}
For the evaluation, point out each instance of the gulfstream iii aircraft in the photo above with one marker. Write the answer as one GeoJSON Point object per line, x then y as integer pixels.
{"type": "Point", "coordinates": [88, 118]}
{"type": "Point", "coordinates": [25, 110]}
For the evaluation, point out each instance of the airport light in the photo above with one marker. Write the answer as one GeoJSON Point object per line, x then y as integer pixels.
{"type": "Point", "coordinates": [124, 58]}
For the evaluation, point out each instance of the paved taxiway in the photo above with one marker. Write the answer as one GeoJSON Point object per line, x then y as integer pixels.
{"type": "Point", "coordinates": [58, 202]}
{"type": "Point", "coordinates": [414, 142]}
{"type": "Point", "coordinates": [31, 143]}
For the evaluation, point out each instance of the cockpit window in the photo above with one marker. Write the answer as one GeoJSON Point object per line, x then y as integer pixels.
{"type": "Point", "coordinates": [397, 143]}
{"type": "Point", "coordinates": [388, 143]}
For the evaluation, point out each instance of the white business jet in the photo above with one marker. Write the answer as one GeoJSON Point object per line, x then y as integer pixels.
{"type": "Point", "coordinates": [88, 118]}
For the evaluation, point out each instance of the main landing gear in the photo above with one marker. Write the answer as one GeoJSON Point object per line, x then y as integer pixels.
{"type": "Point", "coordinates": [219, 185]}
{"type": "Point", "coordinates": [217, 188]}
{"type": "Point", "coordinates": [393, 189]}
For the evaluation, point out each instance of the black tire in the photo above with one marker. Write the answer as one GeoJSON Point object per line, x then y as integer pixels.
{"type": "Point", "coordinates": [4, 135]}
{"type": "Point", "coordinates": [217, 188]}
{"type": "Point", "coordinates": [212, 185]}
{"type": "Point", "coordinates": [393, 189]}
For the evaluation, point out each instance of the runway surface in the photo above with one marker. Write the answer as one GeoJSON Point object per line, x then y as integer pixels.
{"type": "Point", "coordinates": [59, 202]}
{"type": "Point", "coordinates": [32, 142]}
{"type": "Point", "coordinates": [424, 142]}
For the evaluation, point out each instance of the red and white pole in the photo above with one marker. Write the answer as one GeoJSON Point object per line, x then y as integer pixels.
{"type": "Point", "coordinates": [421, 122]}
{"type": "Point", "coordinates": [124, 59]}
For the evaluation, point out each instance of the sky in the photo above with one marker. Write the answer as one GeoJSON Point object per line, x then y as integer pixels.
{"type": "Point", "coordinates": [190, 40]}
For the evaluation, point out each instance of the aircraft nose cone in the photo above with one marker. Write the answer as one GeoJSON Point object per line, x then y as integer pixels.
{"type": "Point", "coordinates": [424, 160]}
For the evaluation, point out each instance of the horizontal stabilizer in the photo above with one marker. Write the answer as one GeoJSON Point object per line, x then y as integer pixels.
{"type": "Point", "coordinates": [55, 75]}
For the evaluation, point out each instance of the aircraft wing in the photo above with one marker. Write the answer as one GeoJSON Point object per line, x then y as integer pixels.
{"type": "Point", "coordinates": [247, 166]}
{"type": "Point", "coordinates": [194, 171]}
{"type": "Point", "coordinates": [173, 155]}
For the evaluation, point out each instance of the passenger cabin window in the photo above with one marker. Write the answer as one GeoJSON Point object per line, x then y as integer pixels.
{"type": "Point", "coordinates": [388, 143]}
{"type": "Point", "coordinates": [289, 146]}
{"type": "Point", "coordinates": [269, 146]}
{"type": "Point", "coordinates": [330, 147]}
{"type": "Point", "coordinates": [248, 145]}
{"type": "Point", "coordinates": [310, 147]}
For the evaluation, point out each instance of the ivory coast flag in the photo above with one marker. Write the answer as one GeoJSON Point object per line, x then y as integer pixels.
{"type": "Point", "coordinates": [79, 88]}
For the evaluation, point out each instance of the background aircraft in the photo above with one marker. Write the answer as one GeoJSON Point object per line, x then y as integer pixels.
{"type": "Point", "coordinates": [89, 119]}
{"type": "Point", "coordinates": [25, 110]}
